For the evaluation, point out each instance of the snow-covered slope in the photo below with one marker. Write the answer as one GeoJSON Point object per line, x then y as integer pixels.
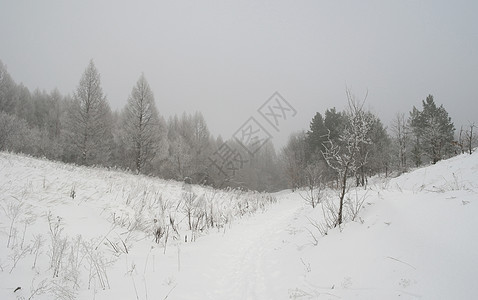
{"type": "Point", "coordinates": [75, 232]}
{"type": "Point", "coordinates": [415, 238]}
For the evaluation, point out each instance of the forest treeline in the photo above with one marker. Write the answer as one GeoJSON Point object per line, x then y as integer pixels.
{"type": "Point", "coordinates": [83, 129]}
{"type": "Point", "coordinates": [355, 142]}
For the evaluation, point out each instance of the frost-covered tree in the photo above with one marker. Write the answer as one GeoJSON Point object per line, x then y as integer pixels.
{"type": "Point", "coordinates": [89, 132]}
{"type": "Point", "coordinates": [142, 126]}
{"type": "Point", "coordinates": [53, 119]}
{"type": "Point", "coordinates": [467, 138]}
{"type": "Point", "coordinates": [294, 159]}
{"type": "Point", "coordinates": [415, 123]}
{"type": "Point", "coordinates": [433, 131]}
{"type": "Point", "coordinates": [314, 183]}
{"type": "Point", "coordinates": [321, 130]}
{"type": "Point", "coordinates": [40, 108]}
{"type": "Point", "coordinates": [334, 122]}
{"type": "Point", "coordinates": [178, 162]}
{"type": "Point", "coordinates": [343, 155]}
{"type": "Point", "coordinates": [470, 139]}
{"type": "Point", "coordinates": [46, 123]}
{"type": "Point", "coordinates": [200, 143]}
{"type": "Point", "coordinates": [374, 156]}
{"type": "Point", "coordinates": [14, 134]}
{"type": "Point", "coordinates": [179, 158]}
{"type": "Point", "coordinates": [401, 139]}
{"type": "Point", "coordinates": [7, 130]}
{"type": "Point", "coordinates": [7, 90]}
{"type": "Point", "coordinates": [316, 135]}
{"type": "Point", "coordinates": [24, 104]}
{"type": "Point", "coordinates": [190, 145]}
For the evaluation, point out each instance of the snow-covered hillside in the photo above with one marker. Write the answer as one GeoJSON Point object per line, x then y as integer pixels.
{"type": "Point", "coordinates": [74, 232]}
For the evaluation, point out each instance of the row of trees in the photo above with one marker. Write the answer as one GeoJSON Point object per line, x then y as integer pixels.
{"type": "Point", "coordinates": [426, 136]}
{"type": "Point", "coordinates": [311, 149]}
{"type": "Point", "coordinates": [355, 144]}
{"type": "Point", "coordinates": [83, 129]}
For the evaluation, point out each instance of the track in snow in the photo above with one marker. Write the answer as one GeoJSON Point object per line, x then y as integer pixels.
{"type": "Point", "coordinates": [246, 261]}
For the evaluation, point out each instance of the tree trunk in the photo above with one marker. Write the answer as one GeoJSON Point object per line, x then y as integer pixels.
{"type": "Point", "coordinates": [342, 196]}
{"type": "Point", "coordinates": [84, 152]}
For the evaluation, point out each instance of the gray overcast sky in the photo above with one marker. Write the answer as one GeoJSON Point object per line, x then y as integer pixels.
{"type": "Point", "coordinates": [225, 58]}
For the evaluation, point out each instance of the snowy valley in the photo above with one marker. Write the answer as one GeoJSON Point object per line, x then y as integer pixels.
{"type": "Point", "coordinates": [69, 232]}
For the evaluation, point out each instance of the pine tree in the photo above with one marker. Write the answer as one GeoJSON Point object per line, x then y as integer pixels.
{"type": "Point", "coordinates": [334, 123]}
{"type": "Point", "coordinates": [379, 150]}
{"type": "Point", "coordinates": [433, 131]}
{"type": "Point", "coordinates": [316, 136]}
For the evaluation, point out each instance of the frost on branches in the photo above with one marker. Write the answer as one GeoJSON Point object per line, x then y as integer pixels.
{"type": "Point", "coordinates": [345, 156]}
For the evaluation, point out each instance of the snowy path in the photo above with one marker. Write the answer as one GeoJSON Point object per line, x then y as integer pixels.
{"type": "Point", "coordinates": [246, 262]}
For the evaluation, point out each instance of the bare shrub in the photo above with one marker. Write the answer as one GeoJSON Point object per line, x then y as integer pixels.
{"type": "Point", "coordinates": [12, 212]}
{"type": "Point", "coordinates": [61, 291]}
{"type": "Point", "coordinates": [17, 255]}
{"type": "Point", "coordinates": [58, 244]}
{"type": "Point", "coordinates": [314, 189]}
{"type": "Point", "coordinates": [41, 288]}
{"type": "Point", "coordinates": [37, 244]}
{"type": "Point", "coordinates": [96, 264]}
{"type": "Point", "coordinates": [188, 206]}
{"type": "Point", "coordinates": [354, 204]}
{"type": "Point", "coordinates": [330, 212]}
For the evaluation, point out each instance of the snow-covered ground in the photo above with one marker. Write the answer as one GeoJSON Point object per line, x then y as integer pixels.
{"type": "Point", "coordinates": [74, 232]}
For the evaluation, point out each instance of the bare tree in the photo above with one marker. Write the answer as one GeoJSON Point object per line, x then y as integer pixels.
{"type": "Point", "coordinates": [200, 143]}
{"type": "Point", "coordinates": [179, 157]}
{"type": "Point", "coordinates": [341, 156]}
{"type": "Point", "coordinates": [314, 183]}
{"type": "Point", "coordinates": [470, 138]}
{"type": "Point", "coordinates": [142, 125]}
{"type": "Point", "coordinates": [190, 145]}
{"type": "Point", "coordinates": [89, 120]}
{"type": "Point", "coordinates": [401, 136]}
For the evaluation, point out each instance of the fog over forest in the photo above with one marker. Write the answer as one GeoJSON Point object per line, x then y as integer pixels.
{"type": "Point", "coordinates": [83, 129]}
{"type": "Point", "coordinates": [237, 94]}
{"type": "Point", "coordinates": [217, 55]}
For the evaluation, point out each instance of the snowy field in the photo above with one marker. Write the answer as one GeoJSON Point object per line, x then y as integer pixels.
{"type": "Point", "coordinates": [70, 232]}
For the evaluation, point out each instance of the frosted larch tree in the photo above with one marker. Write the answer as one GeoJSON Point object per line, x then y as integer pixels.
{"type": "Point", "coordinates": [89, 121]}
{"type": "Point", "coordinates": [142, 125]}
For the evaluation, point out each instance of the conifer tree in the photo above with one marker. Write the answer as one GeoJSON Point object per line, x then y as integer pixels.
{"type": "Point", "coordinates": [433, 131]}
{"type": "Point", "coordinates": [89, 121]}
{"type": "Point", "coordinates": [142, 126]}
